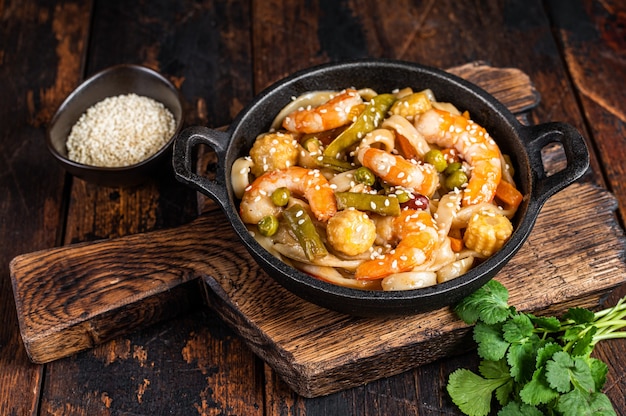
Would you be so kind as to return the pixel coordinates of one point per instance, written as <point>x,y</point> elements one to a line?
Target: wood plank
<point>32,36</point>
<point>304,343</point>
<point>596,65</point>
<point>203,48</point>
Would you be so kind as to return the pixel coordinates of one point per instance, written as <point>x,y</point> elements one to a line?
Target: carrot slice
<point>508,194</point>
<point>456,244</point>
<point>404,146</point>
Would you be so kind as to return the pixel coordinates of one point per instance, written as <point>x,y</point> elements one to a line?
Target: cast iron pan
<point>522,143</point>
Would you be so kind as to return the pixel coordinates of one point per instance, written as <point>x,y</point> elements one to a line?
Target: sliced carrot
<point>456,244</point>
<point>405,147</point>
<point>508,194</point>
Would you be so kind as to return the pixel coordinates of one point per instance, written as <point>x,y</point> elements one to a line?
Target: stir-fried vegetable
<point>302,226</point>
<point>369,119</point>
<point>380,204</point>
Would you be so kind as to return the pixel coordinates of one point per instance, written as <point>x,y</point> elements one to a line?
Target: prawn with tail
<point>473,143</point>
<point>336,112</point>
<point>396,170</point>
<point>418,239</point>
<point>256,202</point>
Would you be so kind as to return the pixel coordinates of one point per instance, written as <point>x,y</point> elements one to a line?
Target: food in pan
<point>389,191</point>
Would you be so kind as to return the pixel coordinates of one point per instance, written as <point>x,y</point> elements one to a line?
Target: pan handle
<point>183,161</point>
<point>575,150</point>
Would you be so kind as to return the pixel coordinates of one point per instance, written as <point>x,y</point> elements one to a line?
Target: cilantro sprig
<point>534,365</point>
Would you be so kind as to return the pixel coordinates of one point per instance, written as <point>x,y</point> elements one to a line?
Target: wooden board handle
<point>74,297</point>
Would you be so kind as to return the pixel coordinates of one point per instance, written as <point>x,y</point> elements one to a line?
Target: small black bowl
<point>522,143</point>
<point>110,82</point>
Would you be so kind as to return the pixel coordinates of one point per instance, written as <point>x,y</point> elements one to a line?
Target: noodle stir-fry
<point>391,191</point>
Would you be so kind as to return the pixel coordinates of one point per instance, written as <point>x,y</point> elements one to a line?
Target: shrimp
<point>257,203</point>
<point>396,170</point>
<point>473,144</point>
<point>418,240</point>
<point>334,113</point>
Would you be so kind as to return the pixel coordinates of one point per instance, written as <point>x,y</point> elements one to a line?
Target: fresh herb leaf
<point>534,365</point>
<point>537,391</point>
<point>579,315</point>
<point>498,370</point>
<point>518,329</point>
<point>599,370</point>
<point>565,372</point>
<point>580,403</point>
<point>521,359</point>
<point>519,409</point>
<point>494,369</point>
<point>550,323</point>
<point>489,304</point>
<point>546,352</point>
<point>584,344</point>
<point>491,345</point>
<point>477,400</point>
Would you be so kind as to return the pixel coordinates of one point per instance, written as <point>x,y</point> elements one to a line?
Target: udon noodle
<point>390,191</point>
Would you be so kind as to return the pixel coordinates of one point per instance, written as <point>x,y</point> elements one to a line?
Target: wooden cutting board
<point>72,298</point>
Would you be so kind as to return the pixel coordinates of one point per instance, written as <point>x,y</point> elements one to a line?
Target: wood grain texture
<point>194,365</point>
<point>219,53</point>
<point>316,351</point>
<point>33,35</point>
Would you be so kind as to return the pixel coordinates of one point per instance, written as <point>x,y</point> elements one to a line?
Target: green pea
<point>452,167</point>
<point>436,158</point>
<point>280,197</point>
<point>456,179</point>
<point>268,225</point>
<point>365,176</point>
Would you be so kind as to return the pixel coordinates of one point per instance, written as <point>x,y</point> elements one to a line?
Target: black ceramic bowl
<point>522,143</point>
<point>110,82</point>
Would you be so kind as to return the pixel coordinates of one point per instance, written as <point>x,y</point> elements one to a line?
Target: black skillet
<point>522,143</point>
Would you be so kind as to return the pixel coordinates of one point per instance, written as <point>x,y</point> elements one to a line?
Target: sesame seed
<point>120,131</point>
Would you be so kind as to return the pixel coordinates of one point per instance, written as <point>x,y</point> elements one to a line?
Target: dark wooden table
<point>219,54</point>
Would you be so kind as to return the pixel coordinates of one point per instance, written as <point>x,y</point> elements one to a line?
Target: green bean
<point>280,196</point>
<point>268,225</point>
<point>302,226</point>
<point>365,176</point>
<point>367,121</point>
<point>310,143</point>
<point>335,164</point>
<point>380,204</point>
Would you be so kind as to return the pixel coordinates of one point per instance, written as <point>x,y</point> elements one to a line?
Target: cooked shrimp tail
<point>309,183</point>
<point>473,143</point>
<point>418,240</point>
<point>396,170</point>
<point>336,112</point>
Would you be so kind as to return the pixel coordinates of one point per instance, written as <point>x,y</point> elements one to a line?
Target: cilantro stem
<point>610,335</point>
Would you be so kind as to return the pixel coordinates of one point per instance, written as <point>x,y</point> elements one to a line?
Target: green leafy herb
<point>534,365</point>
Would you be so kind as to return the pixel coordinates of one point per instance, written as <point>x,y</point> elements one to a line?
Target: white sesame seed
<point>120,131</point>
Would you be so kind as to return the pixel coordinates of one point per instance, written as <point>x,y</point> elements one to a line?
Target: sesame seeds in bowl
<point>116,127</point>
